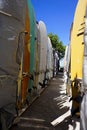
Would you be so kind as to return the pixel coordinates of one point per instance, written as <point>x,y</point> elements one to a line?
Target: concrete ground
<point>51,111</point>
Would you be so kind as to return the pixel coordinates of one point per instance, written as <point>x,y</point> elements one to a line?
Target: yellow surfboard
<point>77,48</point>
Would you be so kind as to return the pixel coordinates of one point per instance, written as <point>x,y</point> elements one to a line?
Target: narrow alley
<point>50,111</point>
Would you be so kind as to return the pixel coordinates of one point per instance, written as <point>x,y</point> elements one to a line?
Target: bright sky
<point>58,16</point>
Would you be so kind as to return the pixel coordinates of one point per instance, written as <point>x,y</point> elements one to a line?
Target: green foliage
<point>57,44</point>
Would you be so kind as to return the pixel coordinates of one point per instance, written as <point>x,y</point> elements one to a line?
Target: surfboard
<point>67,70</point>
<point>83,112</point>
<point>55,62</point>
<point>77,47</point>
<point>36,72</point>
<point>12,17</point>
<point>26,60</point>
<point>49,59</point>
<point>43,52</point>
<point>32,46</point>
<point>51,51</point>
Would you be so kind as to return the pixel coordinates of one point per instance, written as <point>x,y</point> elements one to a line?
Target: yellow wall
<point>76,41</point>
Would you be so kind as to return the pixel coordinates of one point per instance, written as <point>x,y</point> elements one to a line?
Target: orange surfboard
<point>26,59</point>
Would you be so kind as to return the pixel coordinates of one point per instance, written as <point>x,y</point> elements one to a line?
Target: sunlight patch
<point>61,118</point>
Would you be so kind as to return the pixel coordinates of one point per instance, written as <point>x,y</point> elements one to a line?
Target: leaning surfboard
<point>43,52</point>
<point>77,45</point>
<point>32,46</point>
<point>49,59</point>
<point>36,71</point>
<point>12,33</point>
<point>26,60</point>
<point>83,112</point>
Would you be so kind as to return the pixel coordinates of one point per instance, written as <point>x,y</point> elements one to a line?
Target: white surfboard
<point>49,59</point>
<point>42,51</point>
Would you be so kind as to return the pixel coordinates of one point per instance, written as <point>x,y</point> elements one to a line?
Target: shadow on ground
<point>51,104</point>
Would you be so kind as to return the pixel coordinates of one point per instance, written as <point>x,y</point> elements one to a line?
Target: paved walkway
<point>51,111</point>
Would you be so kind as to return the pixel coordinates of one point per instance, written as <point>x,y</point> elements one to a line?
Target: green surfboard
<point>32,44</point>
